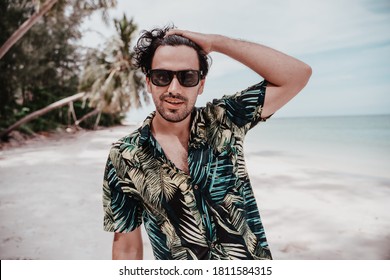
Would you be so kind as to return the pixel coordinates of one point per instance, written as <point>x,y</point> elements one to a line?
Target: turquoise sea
<point>355,143</point>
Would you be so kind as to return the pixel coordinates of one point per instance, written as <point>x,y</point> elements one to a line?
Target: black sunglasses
<point>162,78</point>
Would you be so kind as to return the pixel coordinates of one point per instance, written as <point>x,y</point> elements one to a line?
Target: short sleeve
<point>121,201</point>
<point>244,108</point>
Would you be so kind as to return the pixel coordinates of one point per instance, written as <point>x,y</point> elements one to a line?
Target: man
<point>182,172</point>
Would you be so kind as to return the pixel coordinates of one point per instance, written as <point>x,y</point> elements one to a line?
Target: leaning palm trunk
<point>42,111</point>
<point>25,27</point>
<point>93,5</point>
<point>86,116</point>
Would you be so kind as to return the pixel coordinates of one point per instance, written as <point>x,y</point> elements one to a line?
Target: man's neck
<point>173,138</point>
<point>160,126</point>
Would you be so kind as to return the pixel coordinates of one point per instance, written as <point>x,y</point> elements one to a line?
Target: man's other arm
<point>128,246</point>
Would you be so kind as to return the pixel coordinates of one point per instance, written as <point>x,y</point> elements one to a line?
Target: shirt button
<point>196,187</point>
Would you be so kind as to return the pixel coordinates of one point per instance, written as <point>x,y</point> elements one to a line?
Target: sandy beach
<point>51,203</point>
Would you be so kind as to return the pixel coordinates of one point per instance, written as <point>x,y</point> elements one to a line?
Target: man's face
<point>175,102</point>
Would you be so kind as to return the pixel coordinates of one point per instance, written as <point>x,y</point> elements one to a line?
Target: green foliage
<point>41,67</point>
<point>44,65</point>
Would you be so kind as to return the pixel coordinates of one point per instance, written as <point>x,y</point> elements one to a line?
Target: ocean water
<point>361,143</point>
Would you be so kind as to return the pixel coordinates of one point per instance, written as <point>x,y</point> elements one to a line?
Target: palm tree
<point>111,82</point>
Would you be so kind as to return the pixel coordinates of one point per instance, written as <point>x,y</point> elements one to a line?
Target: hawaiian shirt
<point>210,213</point>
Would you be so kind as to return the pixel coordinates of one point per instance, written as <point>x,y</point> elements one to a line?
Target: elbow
<point>302,77</point>
<point>306,73</point>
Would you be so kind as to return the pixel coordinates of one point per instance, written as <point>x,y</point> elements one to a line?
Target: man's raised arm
<point>286,75</point>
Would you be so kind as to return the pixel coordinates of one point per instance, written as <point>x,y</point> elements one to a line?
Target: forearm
<point>120,254</point>
<point>276,67</point>
<point>128,246</point>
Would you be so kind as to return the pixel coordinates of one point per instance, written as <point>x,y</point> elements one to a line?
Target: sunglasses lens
<point>162,78</point>
<point>188,78</point>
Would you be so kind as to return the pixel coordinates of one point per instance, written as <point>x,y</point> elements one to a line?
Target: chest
<point>176,150</point>
<point>211,177</point>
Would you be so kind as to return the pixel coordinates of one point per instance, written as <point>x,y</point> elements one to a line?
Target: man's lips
<point>173,100</point>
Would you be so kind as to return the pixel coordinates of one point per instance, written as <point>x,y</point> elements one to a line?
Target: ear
<point>201,86</point>
<point>148,85</point>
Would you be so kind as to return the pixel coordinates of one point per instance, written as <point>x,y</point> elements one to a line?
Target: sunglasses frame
<point>172,74</point>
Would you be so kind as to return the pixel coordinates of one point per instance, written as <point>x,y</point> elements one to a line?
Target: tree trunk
<point>25,27</point>
<point>97,120</point>
<point>41,112</point>
<point>90,114</point>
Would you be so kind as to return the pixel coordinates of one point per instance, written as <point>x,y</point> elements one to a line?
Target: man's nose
<point>174,86</point>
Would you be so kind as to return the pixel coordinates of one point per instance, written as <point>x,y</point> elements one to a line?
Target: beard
<point>174,115</point>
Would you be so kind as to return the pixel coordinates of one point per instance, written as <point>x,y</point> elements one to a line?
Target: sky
<point>346,42</point>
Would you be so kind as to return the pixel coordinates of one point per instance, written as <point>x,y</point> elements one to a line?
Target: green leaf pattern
<point>210,213</point>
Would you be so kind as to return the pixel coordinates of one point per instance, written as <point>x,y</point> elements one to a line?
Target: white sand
<point>51,203</point>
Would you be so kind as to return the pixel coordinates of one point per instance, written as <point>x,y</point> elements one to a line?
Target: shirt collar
<point>144,130</point>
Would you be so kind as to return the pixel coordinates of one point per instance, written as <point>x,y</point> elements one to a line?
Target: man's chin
<point>174,116</point>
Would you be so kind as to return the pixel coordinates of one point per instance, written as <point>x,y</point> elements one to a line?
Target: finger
<point>175,32</point>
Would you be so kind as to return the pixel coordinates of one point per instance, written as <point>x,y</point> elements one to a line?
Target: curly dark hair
<point>150,40</point>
